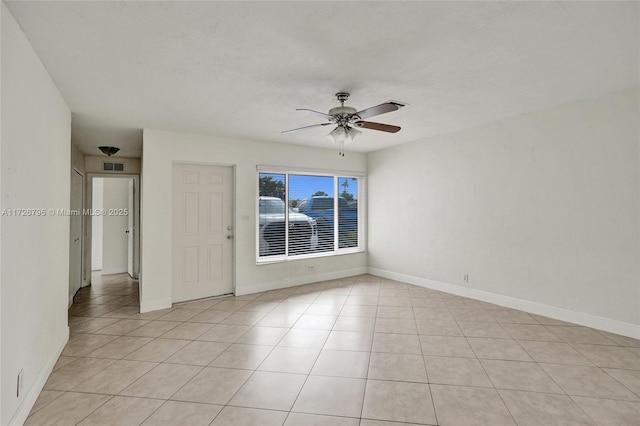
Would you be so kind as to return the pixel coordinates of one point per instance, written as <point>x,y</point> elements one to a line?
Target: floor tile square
<point>610,412</point>
<point>535,409</point>
<point>210,317</point>
<point>396,343</point>
<point>75,373</point>
<point>315,322</point>
<point>516,375</point>
<point>198,353</point>
<point>398,401</point>
<point>483,329</point>
<point>349,341</point>
<point>440,313</point>
<point>179,315</point>
<point>458,405</point>
<point>82,344</point>
<point>553,353</point>
<point>157,350</point>
<point>122,327</point>
<point>275,319</point>
<point>234,416</point>
<point>400,367</point>
<point>609,356</point>
<point>174,413</point>
<point>161,382</point>
<point>299,419</point>
<point>154,329</point>
<point>579,334</point>
<point>45,398</point>
<point>342,364</point>
<point>530,332</point>
<point>587,381</point>
<point>334,396</point>
<point>212,386</point>
<point>290,360</point>
<point>120,347</point>
<point>438,328</point>
<point>122,411</point>
<point>629,379</point>
<point>244,318</point>
<point>446,346</point>
<point>69,409</point>
<point>471,315</point>
<point>273,391</point>
<point>247,357</point>
<point>456,371</point>
<point>396,325</point>
<point>187,331</point>
<point>359,311</point>
<point>310,339</point>
<point>504,349</point>
<point>224,333</point>
<point>256,335</point>
<point>511,316</point>
<point>115,377</point>
<point>395,312</point>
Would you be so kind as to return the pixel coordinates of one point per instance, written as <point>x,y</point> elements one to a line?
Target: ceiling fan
<point>348,119</point>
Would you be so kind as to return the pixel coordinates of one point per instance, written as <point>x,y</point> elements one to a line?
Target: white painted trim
<point>294,281</point>
<point>581,318</point>
<point>155,305</point>
<point>96,265</point>
<point>30,399</point>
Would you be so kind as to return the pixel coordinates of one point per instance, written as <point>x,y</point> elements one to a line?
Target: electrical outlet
<point>465,278</point>
<point>19,384</point>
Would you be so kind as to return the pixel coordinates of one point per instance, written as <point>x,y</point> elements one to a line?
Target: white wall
<point>36,135</point>
<point>97,225</point>
<point>161,149</point>
<point>114,239</point>
<point>541,210</point>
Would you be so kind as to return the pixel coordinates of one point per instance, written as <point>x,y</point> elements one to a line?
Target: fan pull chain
<point>341,153</point>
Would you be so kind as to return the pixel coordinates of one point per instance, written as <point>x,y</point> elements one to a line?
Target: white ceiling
<point>241,69</point>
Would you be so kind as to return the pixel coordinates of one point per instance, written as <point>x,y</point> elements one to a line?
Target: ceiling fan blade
<point>380,109</point>
<point>318,113</point>
<point>377,126</point>
<point>305,127</point>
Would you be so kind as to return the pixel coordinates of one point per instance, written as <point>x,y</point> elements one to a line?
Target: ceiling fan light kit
<point>348,118</point>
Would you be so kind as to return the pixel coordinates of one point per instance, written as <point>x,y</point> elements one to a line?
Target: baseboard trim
<point>154,305</point>
<point>581,318</point>
<point>295,281</point>
<point>30,399</point>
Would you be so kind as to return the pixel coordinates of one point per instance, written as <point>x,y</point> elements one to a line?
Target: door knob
<point>126,232</point>
<point>229,237</point>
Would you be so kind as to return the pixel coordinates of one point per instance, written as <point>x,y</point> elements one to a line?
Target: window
<point>298,214</point>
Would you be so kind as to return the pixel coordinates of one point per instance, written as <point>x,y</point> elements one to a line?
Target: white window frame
<point>335,174</point>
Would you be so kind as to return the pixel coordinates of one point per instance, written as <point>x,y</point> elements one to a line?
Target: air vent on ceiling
<point>113,167</point>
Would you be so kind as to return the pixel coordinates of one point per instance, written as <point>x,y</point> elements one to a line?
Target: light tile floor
<point>358,351</point>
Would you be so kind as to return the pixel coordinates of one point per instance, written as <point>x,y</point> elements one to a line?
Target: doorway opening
<point>114,226</point>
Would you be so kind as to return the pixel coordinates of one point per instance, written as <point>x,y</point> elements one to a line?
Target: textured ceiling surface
<point>240,69</point>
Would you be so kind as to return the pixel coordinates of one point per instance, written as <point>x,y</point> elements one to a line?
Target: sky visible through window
<point>304,186</point>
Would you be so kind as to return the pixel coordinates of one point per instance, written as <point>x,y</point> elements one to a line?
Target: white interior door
<point>75,236</point>
<point>202,231</point>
